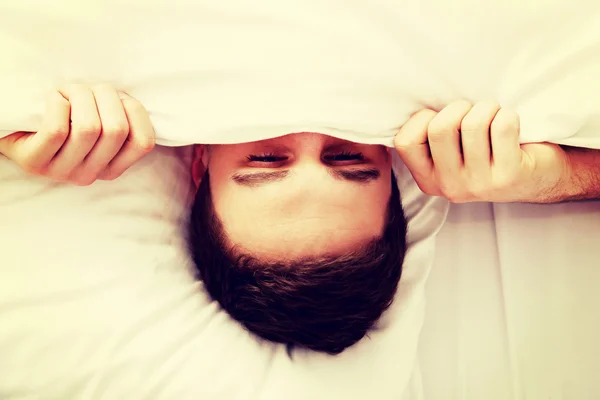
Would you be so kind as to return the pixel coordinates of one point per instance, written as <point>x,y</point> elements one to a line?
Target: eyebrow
<point>254,179</point>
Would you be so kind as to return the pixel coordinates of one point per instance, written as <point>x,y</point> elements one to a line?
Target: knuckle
<point>143,145</point>
<point>58,97</point>
<point>436,127</point>
<point>132,105</point>
<point>471,124</point>
<point>437,132</point>
<point>88,132</point>
<point>117,132</point>
<point>58,135</point>
<point>448,121</point>
<point>401,145</point>
<point>505,123</point>
<point>480,117</point>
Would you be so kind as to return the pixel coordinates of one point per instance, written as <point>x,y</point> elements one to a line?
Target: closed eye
<point>265,158</point>
<point>343,157</point>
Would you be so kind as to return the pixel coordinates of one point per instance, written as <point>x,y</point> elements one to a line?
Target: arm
<point>472,153</point>
<point>582,181</point>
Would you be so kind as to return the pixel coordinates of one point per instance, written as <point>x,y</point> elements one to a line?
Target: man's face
<point>300,195</point>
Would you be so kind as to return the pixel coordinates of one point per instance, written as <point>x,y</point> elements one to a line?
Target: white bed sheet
<point>513,304</point>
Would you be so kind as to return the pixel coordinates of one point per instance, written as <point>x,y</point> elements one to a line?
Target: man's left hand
<point>471,153</point>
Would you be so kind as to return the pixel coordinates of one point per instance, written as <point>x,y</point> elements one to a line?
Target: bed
<point>97,297</point>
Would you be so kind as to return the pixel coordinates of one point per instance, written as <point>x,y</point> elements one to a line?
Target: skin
<point>299,195</point>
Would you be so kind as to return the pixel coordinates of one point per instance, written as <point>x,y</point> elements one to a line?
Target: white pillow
<point>98,300</point>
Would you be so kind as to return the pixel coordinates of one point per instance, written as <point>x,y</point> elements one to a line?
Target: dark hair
<point>324,304</point>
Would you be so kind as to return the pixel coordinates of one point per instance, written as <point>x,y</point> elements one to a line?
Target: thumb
<point>412,145</point>
<point>548,166</point>
<point>545,158</point>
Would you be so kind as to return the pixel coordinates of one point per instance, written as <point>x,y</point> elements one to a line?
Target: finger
<point>506,151</point>
<point>34,151</point>
<point>141,139</point>
<point>115,129</point>
<point>475,136</point>
<point>7,143</point>
<point>85,130</point>
<point>444,140</point>
<point>412,147</point>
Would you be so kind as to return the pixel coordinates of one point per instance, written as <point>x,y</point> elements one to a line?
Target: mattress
<point>512,304</point>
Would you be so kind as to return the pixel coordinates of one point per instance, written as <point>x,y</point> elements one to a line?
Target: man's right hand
<point>87,134</point>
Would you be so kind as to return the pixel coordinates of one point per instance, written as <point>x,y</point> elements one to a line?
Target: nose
<point>309,143</point>
<point>309,169</point>
<point>312,182</point>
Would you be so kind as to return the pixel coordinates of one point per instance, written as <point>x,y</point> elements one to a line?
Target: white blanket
<point>212,71</point>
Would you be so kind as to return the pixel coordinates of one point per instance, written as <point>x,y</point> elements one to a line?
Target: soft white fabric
<point>98,301</point>
<point>512,304</point>
<point>242,70</point>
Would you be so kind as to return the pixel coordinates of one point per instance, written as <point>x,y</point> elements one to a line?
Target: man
<point>301,238</point>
